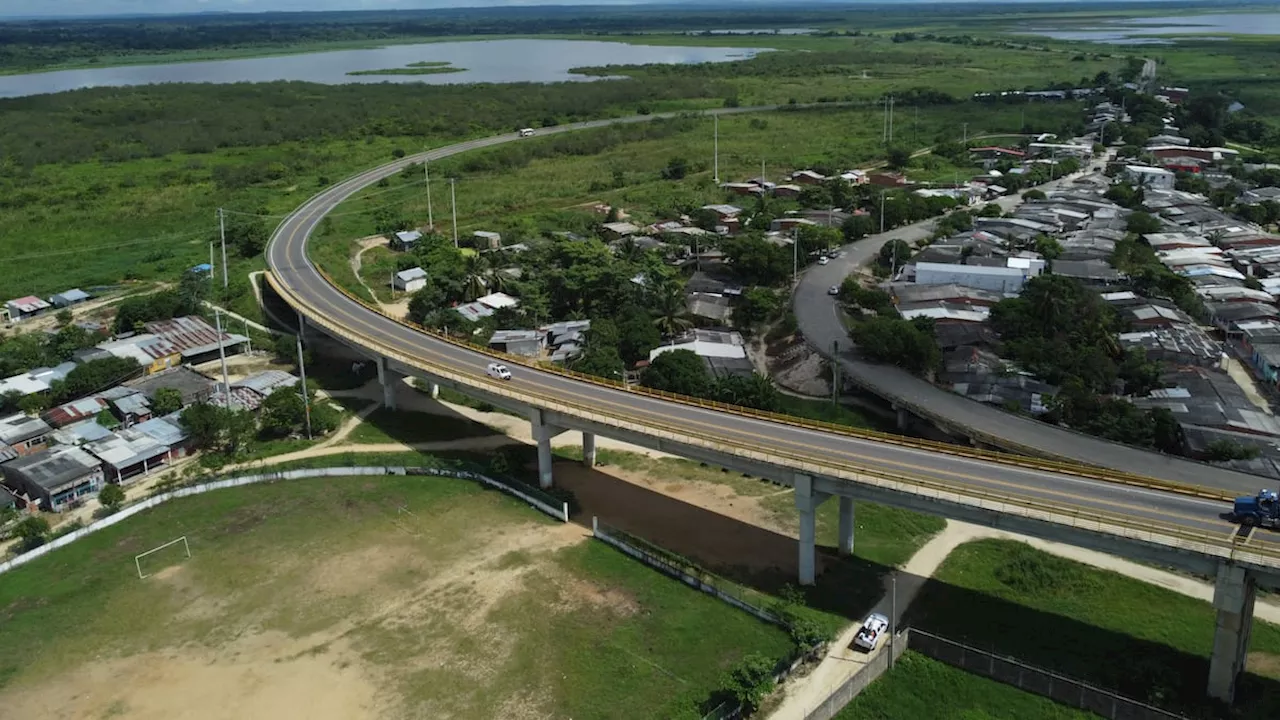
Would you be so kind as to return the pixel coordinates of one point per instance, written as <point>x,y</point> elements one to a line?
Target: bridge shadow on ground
<point>762,559</point>
<point>1153,672</point>
<point>747,554</point>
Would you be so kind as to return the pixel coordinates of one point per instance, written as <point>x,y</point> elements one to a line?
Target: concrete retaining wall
<point>561,513</point>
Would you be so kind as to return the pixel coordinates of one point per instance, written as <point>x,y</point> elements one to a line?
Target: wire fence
<point>687,571</point>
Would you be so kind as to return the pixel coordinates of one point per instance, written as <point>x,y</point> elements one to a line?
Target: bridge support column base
<point>388,379</point>
<point>846,525</point>
<point>542,433</point>
<point>807,502</point>
<point>435,391</point>
<point>589,449</point>
<point>1233,598</point>
<point>904,418</point>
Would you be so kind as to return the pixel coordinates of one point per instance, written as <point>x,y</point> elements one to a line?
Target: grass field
<point>349,598</point>
<point>921,687</point>
<point>1141,640</point>
<point>554,190</point>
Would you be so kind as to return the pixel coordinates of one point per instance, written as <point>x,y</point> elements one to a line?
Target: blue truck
<point>1262,510</point>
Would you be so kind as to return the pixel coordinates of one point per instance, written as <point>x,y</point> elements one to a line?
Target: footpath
<point>804,694</point>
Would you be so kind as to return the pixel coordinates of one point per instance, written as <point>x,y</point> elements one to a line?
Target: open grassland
<point>361,597</point>
<point>116,183</point>
<point>551,183</point>
<point>1141,640</point>
<point>921,687</point>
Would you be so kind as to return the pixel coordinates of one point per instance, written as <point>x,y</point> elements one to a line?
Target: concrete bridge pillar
<point>807,502</point>
<point>1233,598</point>
<point>542,434</point>
<point>435,391</point>
<point>589,449</point>
<point>904,417</point>
<point>846,525</point>
<point>389,379</point>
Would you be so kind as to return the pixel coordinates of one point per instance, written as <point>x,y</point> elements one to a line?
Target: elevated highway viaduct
<point>1171,522</point>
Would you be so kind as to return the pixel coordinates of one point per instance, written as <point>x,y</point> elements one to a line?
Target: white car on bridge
<point>498,370</point>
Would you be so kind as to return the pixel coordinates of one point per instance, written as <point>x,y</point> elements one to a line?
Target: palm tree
<point>629,251</point>
<point>475,283</point>
<point>672,314</point>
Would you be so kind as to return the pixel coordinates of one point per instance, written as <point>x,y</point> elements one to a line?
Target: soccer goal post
<point>137,559</point>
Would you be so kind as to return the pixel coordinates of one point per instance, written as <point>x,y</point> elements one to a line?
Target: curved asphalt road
<point>287,257</point>
<point>820,323</point>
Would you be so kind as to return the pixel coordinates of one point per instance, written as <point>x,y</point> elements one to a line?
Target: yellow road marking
<point>534,384</point>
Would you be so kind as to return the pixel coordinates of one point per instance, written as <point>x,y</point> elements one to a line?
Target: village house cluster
<point>66,454</point>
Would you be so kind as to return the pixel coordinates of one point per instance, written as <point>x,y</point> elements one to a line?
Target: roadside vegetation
<point>1138,639</point>
<point>952,694</point>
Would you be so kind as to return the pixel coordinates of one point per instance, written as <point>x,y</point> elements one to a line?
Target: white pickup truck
<point>869,634</point>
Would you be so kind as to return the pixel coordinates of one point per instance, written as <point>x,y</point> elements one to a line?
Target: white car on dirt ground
<point>871,631</point>
<point>498,370</point>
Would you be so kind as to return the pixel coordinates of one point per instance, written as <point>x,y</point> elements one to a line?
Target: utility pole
<point>795,255</point>
<point>210,263</point>
<point>716,151</point>
<point>306,399</point>
<point>222,356</point>
<point>222,230</point>
<point>426,171</point>
<point>762,180</point>
<point>890,119</point>
<point>884,122</point>
<point>835,372</point>
<point>893,617</point>
<point>882,192</point>
<point>966,135</point>
<point>248,337</point>
<point>453,204</point>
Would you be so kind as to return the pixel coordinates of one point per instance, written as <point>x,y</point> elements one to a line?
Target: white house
<point>1149,177</point>
<point>411,280</point>
<point>995,279</point>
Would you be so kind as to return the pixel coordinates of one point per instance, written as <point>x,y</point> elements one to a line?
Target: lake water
<point>1137,31</point>
<point>485,61</point>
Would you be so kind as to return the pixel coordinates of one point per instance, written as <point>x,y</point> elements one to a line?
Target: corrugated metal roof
<point>54,469</point>
<point>126,449</point>
<point>167,431</point>
<point>191,335</point>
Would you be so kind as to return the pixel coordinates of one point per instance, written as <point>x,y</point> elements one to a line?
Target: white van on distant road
<point>526,132</point>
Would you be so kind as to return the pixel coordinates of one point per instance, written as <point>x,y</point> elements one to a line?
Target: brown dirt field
<point>417,613</point>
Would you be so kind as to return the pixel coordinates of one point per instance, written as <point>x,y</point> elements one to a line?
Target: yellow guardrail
<point>1074,469</point>
<point>1208,543</point>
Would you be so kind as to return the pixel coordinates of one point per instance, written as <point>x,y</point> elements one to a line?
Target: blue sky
<point>45,8</point>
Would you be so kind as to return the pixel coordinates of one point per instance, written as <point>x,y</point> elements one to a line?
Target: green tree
<point>750,681</point>
<point>1225,450</point>
<point>678,371</point>
<point>283,411</point>
<point>757,306</point>
<point>671,314</point>
<point>898,157</point>
<point>758,262</point>
<point>909,344</point>
<point>111,497</point>
<point>676,169</point>
<point>324,417</point>
<point>204,424</point>
<point>64,317</point>
<point>894,253</point>
<point>32,532</point>
<point>1141,223</point>
<point>166,400</point>
<point>754,391</point>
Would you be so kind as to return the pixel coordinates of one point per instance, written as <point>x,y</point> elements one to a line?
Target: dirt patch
<point>1264,664</point>
<point>580,593</point>
<point>795,366</point>
<point>265,675</point>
